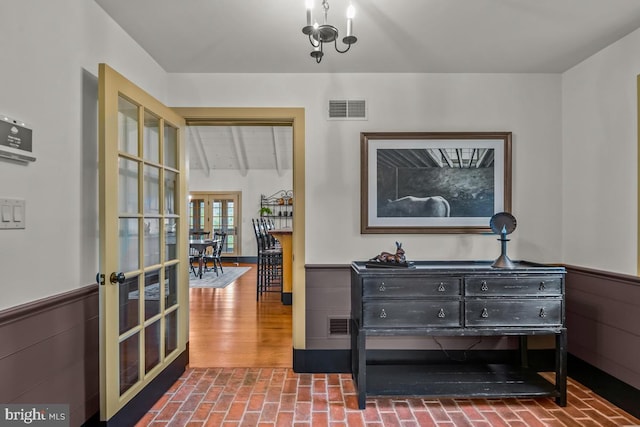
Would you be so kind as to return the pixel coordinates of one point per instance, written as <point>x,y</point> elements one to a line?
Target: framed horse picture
<point>433,182</point>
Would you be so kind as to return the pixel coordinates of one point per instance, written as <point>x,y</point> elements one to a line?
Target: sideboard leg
<point>561,367</point>
<point>362,369</point>
<point>524,351</point>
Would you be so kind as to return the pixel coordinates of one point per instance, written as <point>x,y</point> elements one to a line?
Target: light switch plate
<point>13,213</point>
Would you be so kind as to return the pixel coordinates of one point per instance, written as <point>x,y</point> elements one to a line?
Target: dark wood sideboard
<point>457,298</point>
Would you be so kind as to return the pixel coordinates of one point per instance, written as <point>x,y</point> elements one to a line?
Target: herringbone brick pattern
<point>231,397</point>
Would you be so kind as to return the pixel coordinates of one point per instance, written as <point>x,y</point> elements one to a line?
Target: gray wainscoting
<point>49,353</point>
<point>328,296</point>
<point>603,321</point>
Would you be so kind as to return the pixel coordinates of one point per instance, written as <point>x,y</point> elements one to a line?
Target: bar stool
<point>269,261</point>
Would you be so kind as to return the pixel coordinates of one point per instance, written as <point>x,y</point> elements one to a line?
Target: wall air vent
<point>343,109</point>
<point>339,326</point>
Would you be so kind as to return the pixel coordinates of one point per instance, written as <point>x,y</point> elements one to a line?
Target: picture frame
<point>433,182</point>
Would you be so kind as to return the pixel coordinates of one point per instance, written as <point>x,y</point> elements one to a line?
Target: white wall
<point>600,119</point>
<point>527,105</point>
<point>49,73</point>
<point>48,69</point>
<point>252,186</point>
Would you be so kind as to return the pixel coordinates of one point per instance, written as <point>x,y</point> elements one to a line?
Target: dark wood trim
<point>55,301</point>
<point>321,361</point>
<point>618,277</point>
<point>287,298</point>
<point>143,401</point>
<point>612,389</point>
<point>326,266</point>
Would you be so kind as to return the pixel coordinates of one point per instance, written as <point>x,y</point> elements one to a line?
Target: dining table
<point>201,246</point>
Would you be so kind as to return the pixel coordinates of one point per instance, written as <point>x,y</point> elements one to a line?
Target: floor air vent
<point>348,109</point>
<point>339,326</point>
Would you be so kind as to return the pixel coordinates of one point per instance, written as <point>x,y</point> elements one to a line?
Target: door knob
<point>117,278</point>
<point>100,279</point>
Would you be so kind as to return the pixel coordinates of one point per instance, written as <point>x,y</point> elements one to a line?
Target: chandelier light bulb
<point>309,4</point>
<point>351,12</point>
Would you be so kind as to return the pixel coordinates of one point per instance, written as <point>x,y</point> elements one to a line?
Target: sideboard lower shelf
<point>457,381</point>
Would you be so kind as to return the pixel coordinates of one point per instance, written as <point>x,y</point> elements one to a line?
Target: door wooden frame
<point>293,117</point>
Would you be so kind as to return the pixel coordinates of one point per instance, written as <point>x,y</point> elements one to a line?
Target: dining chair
<point>194,256</point>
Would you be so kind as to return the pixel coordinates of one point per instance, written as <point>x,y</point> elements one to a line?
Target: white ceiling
<point>443,36</point>
<point>435,36</point>
<point>241,148</point>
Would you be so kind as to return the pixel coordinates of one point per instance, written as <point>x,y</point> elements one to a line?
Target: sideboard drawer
<point>411,314</point>
<point>411,287</point>
<point>513,312</point>
<point>514,285</point>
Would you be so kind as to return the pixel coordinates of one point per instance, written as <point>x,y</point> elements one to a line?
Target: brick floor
<point>239,397</point>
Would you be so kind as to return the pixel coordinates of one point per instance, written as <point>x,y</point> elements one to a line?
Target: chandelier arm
<point>311,39</point>
<point>341,51</point>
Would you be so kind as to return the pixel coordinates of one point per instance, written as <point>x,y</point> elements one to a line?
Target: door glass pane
<point>170,146</point>
<point>151,150</point>
<point>170,286</point>
<point>127,126</point>
<point>128,186</point>
<point>222,217</point>
<point>216,218</point>
<point>151,189</point>
<point>170,239</point>
<point>151,346</point>
<point>129,362</point>
<point>229,226</point>
<point>151,294</point>
<point>171,332</point>
<point>196,215</point>
<point>170,185</point>
<point>229,244</point>
<point>129,245</point>
<point>128,304</point>
<point>151,241</point>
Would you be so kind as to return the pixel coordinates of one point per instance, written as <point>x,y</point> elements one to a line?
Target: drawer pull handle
<point>541,286</point>
<point>484,313</point>
<point>383,314</point>
<point>543,313</point>
<point>441,313</point>
<point>483,286</point>
<point>441,287</point>
<point>382,287</point>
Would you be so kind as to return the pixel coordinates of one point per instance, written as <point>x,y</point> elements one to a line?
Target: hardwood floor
<point>230,329</point>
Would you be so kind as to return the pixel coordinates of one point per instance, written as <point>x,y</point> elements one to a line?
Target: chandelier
<point>325,33</point>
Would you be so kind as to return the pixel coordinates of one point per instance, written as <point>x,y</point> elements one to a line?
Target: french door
<point>217,211</point>
<point>143,240</point>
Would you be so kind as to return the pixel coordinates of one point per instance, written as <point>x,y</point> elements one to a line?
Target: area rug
<point>210,280</point>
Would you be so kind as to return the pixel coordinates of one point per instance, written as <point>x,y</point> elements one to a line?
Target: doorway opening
<point>240,325</point>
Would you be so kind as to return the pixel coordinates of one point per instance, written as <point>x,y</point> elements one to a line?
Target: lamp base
<point>503,261</point>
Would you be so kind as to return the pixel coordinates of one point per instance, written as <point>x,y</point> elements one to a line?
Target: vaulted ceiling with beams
<point>241,148</point>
